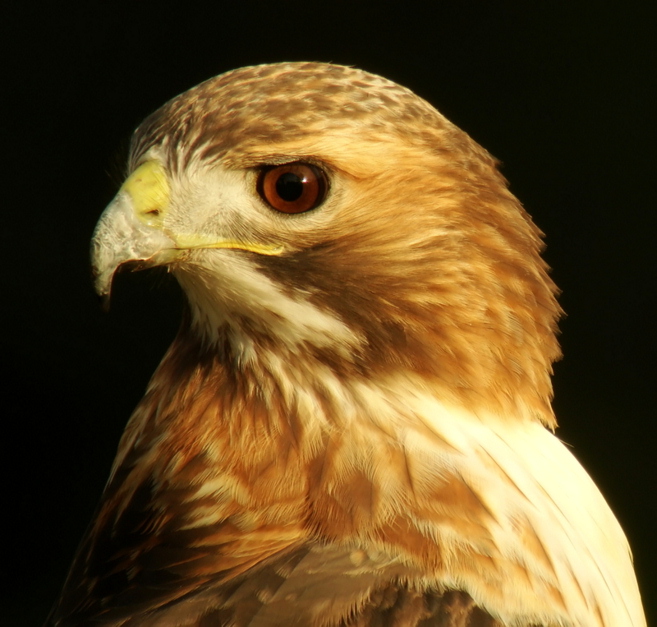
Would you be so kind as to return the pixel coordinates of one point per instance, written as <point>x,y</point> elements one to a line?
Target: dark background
<point>563,93</point>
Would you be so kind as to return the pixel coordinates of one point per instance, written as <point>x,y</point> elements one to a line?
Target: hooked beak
<point>130,228</point>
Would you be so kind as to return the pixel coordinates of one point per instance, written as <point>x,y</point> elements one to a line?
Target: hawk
<point>353,426</point>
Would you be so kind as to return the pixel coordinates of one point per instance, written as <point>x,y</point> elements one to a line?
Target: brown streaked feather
<point>259,555</point>
<point>318,587</point>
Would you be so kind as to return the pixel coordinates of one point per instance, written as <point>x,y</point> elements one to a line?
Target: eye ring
<point>292,188</point>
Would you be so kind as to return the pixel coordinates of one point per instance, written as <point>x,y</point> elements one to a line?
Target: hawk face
<point>331,216</point>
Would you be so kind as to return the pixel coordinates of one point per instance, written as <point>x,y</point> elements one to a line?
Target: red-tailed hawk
<point>353,426</point>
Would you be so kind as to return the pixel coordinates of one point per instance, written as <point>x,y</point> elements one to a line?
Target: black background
<point>564,93</point>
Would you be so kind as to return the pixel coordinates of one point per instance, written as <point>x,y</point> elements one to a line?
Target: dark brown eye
<point>293,187</point>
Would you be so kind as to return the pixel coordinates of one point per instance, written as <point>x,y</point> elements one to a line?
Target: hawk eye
<point>292,187</point>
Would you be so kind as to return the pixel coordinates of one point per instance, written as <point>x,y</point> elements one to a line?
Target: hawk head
<point>323,217</point>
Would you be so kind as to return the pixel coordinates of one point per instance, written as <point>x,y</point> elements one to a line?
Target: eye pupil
<point>289,186</point>
<point>292,187</point>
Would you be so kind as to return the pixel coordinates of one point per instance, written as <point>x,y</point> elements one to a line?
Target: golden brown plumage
<point>350,426</point>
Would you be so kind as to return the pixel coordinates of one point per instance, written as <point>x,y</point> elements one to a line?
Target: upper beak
<point>130,229</point>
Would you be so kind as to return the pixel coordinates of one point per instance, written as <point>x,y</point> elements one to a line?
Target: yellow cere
<point>148,188</point>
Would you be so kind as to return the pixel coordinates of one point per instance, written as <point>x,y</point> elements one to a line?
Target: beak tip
<point>103,287</point>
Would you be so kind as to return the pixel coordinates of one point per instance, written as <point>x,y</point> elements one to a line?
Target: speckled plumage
<point>350,427</point>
